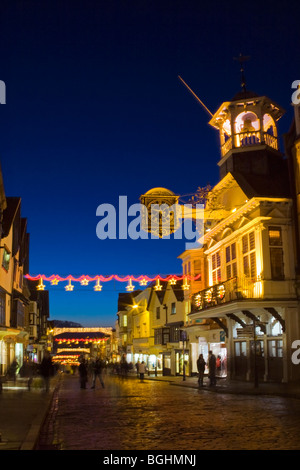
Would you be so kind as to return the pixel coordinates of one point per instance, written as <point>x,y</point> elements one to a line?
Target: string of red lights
<point>143,280</point>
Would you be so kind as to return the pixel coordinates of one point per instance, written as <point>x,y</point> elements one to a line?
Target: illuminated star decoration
<point>129,287</point>
<point>85,280</point>
<point>98,286</point>
<point>69,287</point>
<point>41,286</point>
<point>185,285</point>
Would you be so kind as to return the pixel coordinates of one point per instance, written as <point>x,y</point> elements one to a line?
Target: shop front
<point>182,363</point>
<point>262,359</point>
<point>209,340</point>
<point>167,363</point>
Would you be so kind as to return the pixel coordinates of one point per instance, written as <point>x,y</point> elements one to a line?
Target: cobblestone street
<point>154,415</point>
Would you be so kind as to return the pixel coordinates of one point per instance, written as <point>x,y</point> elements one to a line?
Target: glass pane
<point>228,271</point>
<point>253,265</point>
<point>275,236</point>
<point>251,241</point>
<point>213,261</point>
<point>277,267</point>
<point>234,270</point>
<point>245,243</point>
<point>227,254</point>
<point>246,265</point>
<point>272,348</point>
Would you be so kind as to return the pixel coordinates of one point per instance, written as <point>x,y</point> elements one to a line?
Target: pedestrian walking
<point>124,367</point>
<point>142,370</point>
<point>218,365</point>
<point>97,372</point>
<point>212,368</point>
<point>83,373</point>
<point>13,370</point>
<point>201,368</point>
<point>46,370</point>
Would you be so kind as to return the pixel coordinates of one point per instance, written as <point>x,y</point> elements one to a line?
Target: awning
<point>22,336</point>
<point>6,332</point>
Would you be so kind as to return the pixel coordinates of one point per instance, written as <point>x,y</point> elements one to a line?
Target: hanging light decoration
<point>54,281</point>
<point>143,282</point>
<point>70,286</point>
<point>130,287</point>
<point>158,286</point>
<point>40,285</point>
<point>98,286</point>
<point>84,282</point>
<point>185,285</point>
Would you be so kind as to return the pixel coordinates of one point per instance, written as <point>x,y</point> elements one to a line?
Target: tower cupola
<point>248,129</point>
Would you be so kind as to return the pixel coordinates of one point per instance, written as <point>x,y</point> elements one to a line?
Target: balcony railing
<point>227,291</point>
<point>246,139</point>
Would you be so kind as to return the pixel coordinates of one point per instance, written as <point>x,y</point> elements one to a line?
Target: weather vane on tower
<point>242,59</point>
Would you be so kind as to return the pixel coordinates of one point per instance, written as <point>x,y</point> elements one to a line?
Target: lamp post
<point>255,362</point>
<point>184,338</point>
<point>255,324</point>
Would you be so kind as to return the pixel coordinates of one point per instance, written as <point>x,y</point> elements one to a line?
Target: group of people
<point>95,369</point>
<point>212,366</point>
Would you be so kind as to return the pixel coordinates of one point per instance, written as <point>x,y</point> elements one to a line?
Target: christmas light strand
<point>84,280</point>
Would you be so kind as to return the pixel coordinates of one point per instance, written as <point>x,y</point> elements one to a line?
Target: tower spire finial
<point>241,59</point>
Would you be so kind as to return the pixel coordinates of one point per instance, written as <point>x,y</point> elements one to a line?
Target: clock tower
<point>248,134</point>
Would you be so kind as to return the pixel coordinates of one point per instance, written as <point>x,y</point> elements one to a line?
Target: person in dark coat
<point>212,368</point>
<point>83,373</point>
<point>46,369</point>
<point>97,372</point>
<point>201,368</point>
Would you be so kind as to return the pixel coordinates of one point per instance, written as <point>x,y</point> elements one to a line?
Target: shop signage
<point>247,331</point>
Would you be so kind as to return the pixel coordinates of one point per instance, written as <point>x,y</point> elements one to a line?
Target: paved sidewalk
<point>23,411</point>
<point>234,387</point>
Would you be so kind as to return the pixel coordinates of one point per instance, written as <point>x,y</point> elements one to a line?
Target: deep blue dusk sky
<point>95,110</point>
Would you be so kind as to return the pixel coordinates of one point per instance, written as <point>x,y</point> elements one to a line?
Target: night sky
<point>95,110</point>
